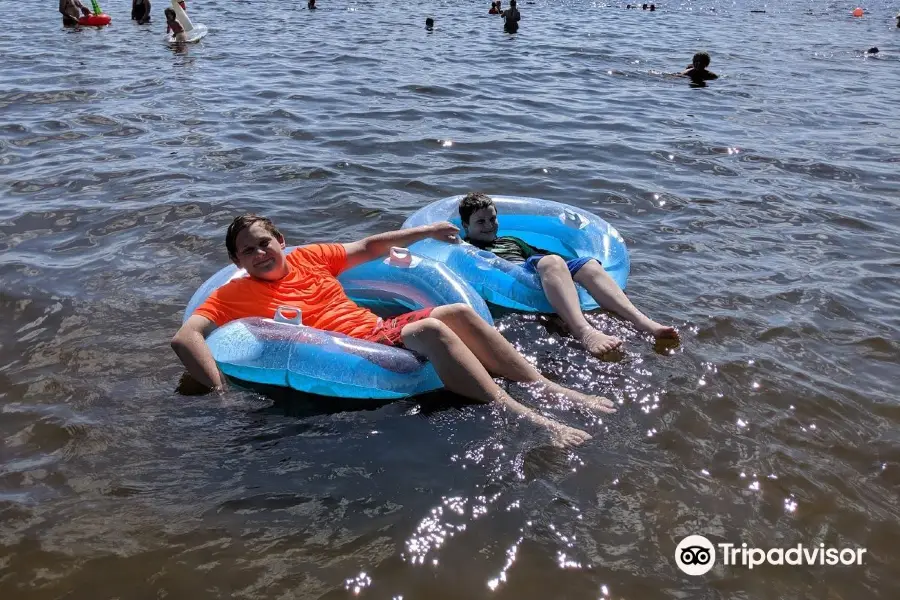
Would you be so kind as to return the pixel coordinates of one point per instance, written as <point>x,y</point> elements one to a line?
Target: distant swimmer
<point>652,7</point>
<point>494,10</point>
<point>697,70</point>
<point>311,5</point>
<point>511,18</point>
<point>69,10</point>
<point>898,20</point>
<point>140,11</point>
<point>429,24</point>
<point>644,7</point>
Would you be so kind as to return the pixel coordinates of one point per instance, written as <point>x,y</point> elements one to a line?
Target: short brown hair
<point>473,202</point>
<point>243,222</point>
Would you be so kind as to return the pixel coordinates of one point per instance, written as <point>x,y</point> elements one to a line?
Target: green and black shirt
<point>510,248</point>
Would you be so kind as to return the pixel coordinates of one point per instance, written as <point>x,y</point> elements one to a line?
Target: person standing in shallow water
<point>511,18</point>
<point>140,11</point>
<point>311,5</point>
<point>173,26</point>
<point>70,9</point>
<point>169,28</point>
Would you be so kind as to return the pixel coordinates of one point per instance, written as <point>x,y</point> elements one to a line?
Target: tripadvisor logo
<point>696,555</point>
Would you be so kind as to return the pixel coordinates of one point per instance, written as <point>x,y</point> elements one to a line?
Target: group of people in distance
<point>650,7</point>
<point>140,12</point>
<point>511,16</point>
<point>72,10</point>
<point>466,351</point>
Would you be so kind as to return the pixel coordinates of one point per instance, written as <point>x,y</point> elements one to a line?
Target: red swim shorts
<point>387,331</point>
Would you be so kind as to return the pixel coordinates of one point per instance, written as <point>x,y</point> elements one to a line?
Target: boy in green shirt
<point>558,277</point>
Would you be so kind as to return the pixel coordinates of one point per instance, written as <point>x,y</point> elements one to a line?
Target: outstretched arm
<point>376,246</point>
<point>190,346</point>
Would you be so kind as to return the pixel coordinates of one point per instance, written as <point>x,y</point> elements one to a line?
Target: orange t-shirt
<point>310,285</point>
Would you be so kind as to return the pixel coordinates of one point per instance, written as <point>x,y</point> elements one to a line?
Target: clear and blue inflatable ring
<point>282,352</point>
<point>560,228</point>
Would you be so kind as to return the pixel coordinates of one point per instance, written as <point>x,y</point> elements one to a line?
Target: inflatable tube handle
<point>400,257</point>
<point>573,219</point>
<point>281,318</point>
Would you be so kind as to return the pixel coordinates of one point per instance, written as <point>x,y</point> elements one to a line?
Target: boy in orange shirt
<point>466,352</point>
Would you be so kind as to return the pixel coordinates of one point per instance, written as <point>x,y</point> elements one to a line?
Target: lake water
<point>762,217</point>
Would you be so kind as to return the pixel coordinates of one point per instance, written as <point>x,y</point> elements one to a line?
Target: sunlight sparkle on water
<point>358,583</point>
<point>494,583</point>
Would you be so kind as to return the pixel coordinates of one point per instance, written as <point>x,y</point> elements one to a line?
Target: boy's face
<point>260,253</point>
<point>483,225</point>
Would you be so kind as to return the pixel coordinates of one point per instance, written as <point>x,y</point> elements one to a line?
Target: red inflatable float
<point>95,20</point>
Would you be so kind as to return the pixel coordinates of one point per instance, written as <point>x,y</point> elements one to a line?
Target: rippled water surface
<point>762,217</point>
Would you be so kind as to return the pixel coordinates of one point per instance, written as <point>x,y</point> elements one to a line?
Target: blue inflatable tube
<point>283,352</point>
<point>563,229</point>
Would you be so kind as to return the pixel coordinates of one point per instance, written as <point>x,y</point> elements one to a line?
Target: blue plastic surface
<point>331,364</point>
<point>560,228</point>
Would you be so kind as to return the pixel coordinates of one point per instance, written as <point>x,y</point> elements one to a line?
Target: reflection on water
<point>761,216</point>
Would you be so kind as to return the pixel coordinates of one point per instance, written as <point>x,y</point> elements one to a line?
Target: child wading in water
<point>558,277</point>
<point>169,20</point>
<point>173,26</point>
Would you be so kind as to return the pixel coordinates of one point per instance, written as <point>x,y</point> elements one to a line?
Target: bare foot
<point>562,436</point>
<point>595,403</point>
<point>598,343</point>
<point>660,332</point>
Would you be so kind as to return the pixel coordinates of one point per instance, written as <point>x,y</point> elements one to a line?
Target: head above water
<point>479,217</point>
<point>429,23</point>
<point>170,14</point>
<point>701,60</point>
<point>256,245</point>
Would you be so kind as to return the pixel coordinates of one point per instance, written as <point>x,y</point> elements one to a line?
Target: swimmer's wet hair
<point>703,57</point>
<point>473,202</point>
<point>243,222</point>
